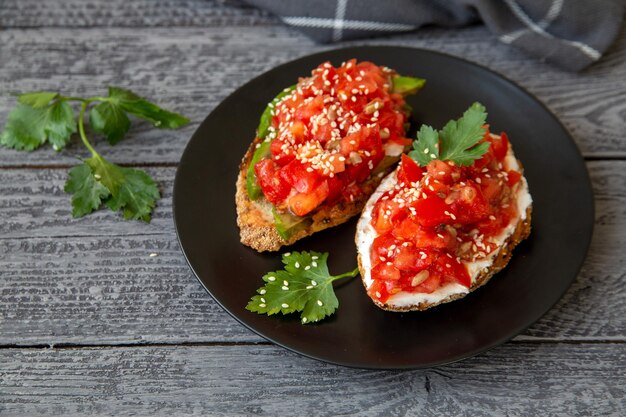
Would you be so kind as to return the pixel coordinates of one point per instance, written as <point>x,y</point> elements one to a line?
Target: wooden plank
<point>136,13</point>
<point>191,69</point>
<point>33,204</point>
<point>544,379</point>
<point>91,280</point>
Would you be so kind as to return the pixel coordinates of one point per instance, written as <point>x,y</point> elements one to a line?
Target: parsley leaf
<point>304,286</point>
<point>110,120</point>
<point>426,147</point>
<point>131,190</point>
<point>458,136</point>
<point>110,116</point>
<point>60,124</point>
<point>28,127</point>
<point>37,99</point>
<point>456,142</point>
<point>87,192</point>
<point>98,181</point>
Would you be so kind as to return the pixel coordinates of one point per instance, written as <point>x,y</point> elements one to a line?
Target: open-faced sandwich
<point>446,220</point>
<point>321,149</point>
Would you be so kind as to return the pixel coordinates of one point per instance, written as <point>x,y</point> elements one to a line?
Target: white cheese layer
<point>365,235</point>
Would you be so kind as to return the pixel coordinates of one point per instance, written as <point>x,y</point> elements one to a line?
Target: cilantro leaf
<point>98,181</point>
<point>87,192</point>
<point>24,128</point>
<point>426,147</point>
<point>60,124</point>
<point>37,99</point>
<point>110,117</point>
<point>304,286</point>
<point>456,142</point>
<point>136,196</point>
<point>133,191</point>
<point>27,127</point>
<point>146,110</point>
<point>111,120</point>
<point>47,116</point>
<point>458,136</point>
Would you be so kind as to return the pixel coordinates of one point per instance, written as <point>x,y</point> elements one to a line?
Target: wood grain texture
<point>136,13</point>
<point>91,280</point>
<point>191,70</point>
<point>514,379</point>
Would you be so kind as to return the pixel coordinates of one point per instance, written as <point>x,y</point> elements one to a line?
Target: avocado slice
<point>287,224</point>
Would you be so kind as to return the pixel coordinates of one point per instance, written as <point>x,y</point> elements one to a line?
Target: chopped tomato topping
<point>273,186</point>
<point>302,204</point>
<point>331,129</point>
<point>438,218</point>
<point>409,171</point>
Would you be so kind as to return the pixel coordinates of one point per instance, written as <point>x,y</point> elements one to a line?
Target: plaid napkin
<point>569,33</point>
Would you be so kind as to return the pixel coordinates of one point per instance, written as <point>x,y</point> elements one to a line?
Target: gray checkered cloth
<point>569,33</point>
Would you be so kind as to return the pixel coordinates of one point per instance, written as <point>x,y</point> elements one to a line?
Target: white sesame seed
<point>304,319</point>
<point>306,268</point>
<point>378,295</point>
<point>262,305</point>
<point>284,305</point>
<point>297,265</point>
<point>285,288</point>
<point>286,283</point>
<point>313,283</point>
<point>263,291</point>
<point>271,279</point>
<point>319,303</point>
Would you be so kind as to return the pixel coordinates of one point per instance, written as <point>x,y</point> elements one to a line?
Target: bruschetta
<point>321,149</point>
<point>446,220</point>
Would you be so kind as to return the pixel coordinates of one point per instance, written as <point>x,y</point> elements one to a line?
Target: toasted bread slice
<point>256,223</point>
<point>480,272</point>
<point>322,147</point>
<point>500,260</point>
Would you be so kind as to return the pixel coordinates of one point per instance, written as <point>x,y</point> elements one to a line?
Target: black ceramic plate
<point>360,334</point>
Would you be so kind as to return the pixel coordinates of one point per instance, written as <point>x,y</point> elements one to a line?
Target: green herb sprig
<point>47,116</point>
<point>456,142</point>
<point>304,286</point>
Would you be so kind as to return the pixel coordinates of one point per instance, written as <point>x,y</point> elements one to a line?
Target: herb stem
<point>81,127</point>
<point>350,274</point>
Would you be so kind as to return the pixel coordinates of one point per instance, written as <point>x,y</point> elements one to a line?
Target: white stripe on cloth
<point>523,17</point>
<point>319,22</point>
<point>340,14</point>
<point>553,13</point>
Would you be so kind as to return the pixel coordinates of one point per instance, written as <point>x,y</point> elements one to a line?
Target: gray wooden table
<point>90,324</point>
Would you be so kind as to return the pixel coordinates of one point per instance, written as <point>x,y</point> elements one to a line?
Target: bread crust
<point>501,259</point>
<point>254,218</point>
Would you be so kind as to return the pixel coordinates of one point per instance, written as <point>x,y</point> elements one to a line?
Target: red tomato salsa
<point>438,217</point>
<point>329,134</point>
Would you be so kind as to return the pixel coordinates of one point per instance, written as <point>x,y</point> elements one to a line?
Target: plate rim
<point>378,366</point>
